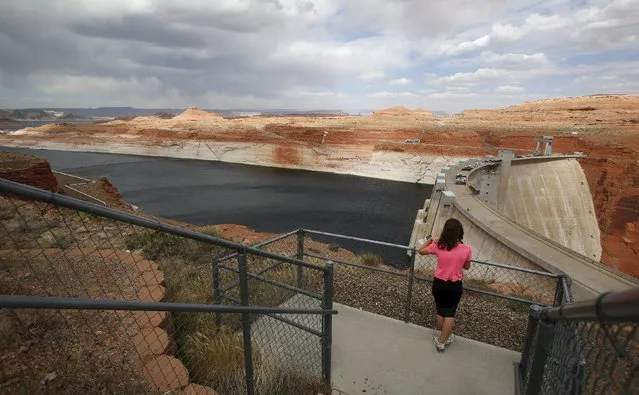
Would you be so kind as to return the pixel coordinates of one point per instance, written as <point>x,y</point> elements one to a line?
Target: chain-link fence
<point>587,347</point>
<point>394,281</point>
<point>53,246</point>
<point>299,345</point>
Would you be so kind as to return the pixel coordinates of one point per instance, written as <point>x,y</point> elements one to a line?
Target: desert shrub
<point>159,245</point>
<point>208,230</point>
<point>370,259</point>
<point>518,307</point>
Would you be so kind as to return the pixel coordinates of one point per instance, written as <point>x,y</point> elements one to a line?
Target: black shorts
<point>447,295</point>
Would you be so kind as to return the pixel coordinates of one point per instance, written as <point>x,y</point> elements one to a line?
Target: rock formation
<point>27,169</point>
<point>196,114</point>
<point>401,111</point>
<point>397,144</point>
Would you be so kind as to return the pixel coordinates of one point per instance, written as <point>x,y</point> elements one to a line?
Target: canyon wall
<point>398,144</point>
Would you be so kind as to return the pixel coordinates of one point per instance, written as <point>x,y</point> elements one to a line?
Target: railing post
<point>215,269</point>
<point>531,331</point>
<point>411,278</point>
<point>537,355</point>
<point>300,256</point>
<point>327,323</point>
<point>566,285</point>
<point>246,324</point>
<point>559,291</point>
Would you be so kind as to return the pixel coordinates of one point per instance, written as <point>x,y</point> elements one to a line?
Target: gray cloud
<point>143,28</point>
<point>293,52</point>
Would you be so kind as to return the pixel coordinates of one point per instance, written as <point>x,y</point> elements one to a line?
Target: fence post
<point>327,323</point>
<point>215,269</point>
<point>559,291</point>
<point>538,355</point>
<point>246,324</point>
<point>300,256</point>
<point>533,323</point>
<point>411,278</point>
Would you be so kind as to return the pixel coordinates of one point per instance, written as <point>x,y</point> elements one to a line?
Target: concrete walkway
<point>373,354</point>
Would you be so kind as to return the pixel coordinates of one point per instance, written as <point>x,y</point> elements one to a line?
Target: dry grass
<point>370,259</point>
<point>215,356</point>
<point>217,360</point>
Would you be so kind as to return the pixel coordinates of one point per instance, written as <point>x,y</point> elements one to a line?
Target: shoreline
<point>376,171</point>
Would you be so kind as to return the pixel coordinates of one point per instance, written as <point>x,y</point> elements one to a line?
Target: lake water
<point>262,198</point>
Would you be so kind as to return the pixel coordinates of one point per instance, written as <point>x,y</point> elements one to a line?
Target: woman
<point>452,257</point>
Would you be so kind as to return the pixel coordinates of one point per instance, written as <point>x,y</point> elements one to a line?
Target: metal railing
<point>393,280</point>
<point>589,347</point>
<point>84,292</point>
<point>70,189</point>
<point>56,246</point>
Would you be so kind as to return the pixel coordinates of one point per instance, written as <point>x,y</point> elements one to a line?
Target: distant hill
<point>122,112</point>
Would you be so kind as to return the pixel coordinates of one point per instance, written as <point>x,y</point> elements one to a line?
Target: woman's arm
<point>422,251</point>
<point>468,259</point>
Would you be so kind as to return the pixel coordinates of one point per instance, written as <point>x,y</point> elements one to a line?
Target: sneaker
<point>439,346</point>
<point>450,340</point>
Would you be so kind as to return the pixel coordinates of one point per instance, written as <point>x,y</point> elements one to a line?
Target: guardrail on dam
<point>532,212</point>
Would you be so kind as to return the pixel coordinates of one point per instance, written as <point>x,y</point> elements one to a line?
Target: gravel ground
<point>484,318</point>
<point>78,351</point>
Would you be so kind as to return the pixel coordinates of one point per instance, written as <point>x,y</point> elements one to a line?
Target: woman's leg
<point>440,321</point>
<point>452,299</point>
<point>447,329</point>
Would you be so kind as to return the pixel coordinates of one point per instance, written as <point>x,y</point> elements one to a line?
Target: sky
<point>439,55</point>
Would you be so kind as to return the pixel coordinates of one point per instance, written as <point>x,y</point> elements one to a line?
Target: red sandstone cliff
<point>27,169</point>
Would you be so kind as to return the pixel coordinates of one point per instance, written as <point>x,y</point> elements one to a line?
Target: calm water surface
<point>262,198</point>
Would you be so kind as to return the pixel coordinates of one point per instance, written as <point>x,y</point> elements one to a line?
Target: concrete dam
<point>533,212</point>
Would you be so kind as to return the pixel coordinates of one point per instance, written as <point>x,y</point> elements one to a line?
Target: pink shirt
<point>450,264</point>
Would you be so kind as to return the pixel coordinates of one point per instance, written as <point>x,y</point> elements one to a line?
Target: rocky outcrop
<point>197,114</point>
<point>27,169</point>
<point>401,111</point>
<point>577,112</point>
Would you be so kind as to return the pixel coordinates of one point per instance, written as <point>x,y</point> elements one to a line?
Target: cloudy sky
<point>445,55</point>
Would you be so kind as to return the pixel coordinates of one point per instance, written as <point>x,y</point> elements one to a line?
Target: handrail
<point>608,307</point>
<point>259,245</point>
<point>516,268</point>
<point>30,192</point>
<point>425,279</point>
<point>316,232</point>
<point>85,194</point>
<point>53,302</point>
<point>86,180</point>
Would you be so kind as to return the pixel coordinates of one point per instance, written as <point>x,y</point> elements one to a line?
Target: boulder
<point>164,373</point>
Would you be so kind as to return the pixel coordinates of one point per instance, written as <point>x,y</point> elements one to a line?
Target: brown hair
<point>452,235</point>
